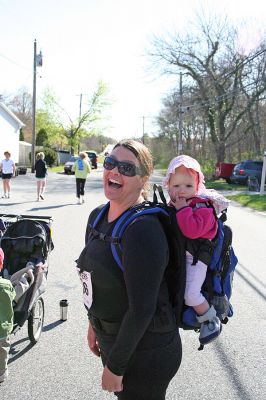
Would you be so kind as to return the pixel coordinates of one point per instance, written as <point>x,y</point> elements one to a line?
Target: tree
<point>217,71</point>
<point>21,105</point>
<point>41,137</point>
<point>49,118</point>
<point>88,121</point>
<point>21,135</point>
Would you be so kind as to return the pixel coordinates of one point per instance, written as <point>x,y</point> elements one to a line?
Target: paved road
<point>60,366</point>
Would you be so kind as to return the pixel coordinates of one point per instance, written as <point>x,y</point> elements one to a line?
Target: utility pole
<point>33,109</point>
<point>80,108</point>
<point>180,136</point>
<point>37,62</point>
<point>263,175</point>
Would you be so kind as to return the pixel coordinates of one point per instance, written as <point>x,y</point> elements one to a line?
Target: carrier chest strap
<point>103,236</point>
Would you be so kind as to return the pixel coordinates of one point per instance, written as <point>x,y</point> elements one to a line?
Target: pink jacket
<point>197,220</point>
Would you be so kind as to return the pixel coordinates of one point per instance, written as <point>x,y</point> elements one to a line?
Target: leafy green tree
<point>88,122</point>
<point>41,137</point>
<point>49,117</point>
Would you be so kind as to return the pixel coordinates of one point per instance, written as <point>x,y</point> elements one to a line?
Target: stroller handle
<point>50,218</point>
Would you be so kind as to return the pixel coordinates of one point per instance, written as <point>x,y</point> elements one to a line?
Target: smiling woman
<point>135,345</point>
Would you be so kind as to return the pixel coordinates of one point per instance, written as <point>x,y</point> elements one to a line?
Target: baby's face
<point>183,184</point>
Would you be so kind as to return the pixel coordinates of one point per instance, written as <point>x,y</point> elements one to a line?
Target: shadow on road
<point>18,353</point>
<point>51,207</point>
<point>14,204</point>
<point>52,325</point>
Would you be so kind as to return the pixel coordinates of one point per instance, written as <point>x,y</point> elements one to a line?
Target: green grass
<point>254,201</point>
<point>221,184</point>
<point>59,168</point>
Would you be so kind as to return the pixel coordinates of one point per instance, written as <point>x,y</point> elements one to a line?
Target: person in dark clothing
<point>40,174</point>
<point>140,352</point>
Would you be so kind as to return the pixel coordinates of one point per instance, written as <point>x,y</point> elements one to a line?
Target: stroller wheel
<point>35,321</point>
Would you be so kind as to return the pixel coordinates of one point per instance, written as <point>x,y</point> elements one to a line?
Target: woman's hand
<point>111,382</point>
<point>92,342</point>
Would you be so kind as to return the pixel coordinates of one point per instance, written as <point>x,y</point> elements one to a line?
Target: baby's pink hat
<point>2,256</point>
<point>187,162</point>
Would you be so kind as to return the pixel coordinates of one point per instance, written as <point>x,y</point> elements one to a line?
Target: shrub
<point>51,157</point>
<point>208,168</point>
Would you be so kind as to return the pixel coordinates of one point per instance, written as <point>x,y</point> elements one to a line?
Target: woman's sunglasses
<point>123,167</point>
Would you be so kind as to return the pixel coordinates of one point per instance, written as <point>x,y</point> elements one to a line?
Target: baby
<point>185,184</point>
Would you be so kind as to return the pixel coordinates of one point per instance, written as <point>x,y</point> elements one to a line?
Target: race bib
<point>85,278</point>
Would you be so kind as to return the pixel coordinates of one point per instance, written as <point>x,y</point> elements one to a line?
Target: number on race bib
<point>85,278</point>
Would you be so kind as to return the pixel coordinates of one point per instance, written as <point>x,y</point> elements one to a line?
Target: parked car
<point>21,170</point>
<point>93,158</point>
<point>69,164</point>
<point>224,171</point>
<point>245,170</point>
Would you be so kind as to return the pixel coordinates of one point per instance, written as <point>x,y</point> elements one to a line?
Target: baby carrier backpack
<point>218,254</point>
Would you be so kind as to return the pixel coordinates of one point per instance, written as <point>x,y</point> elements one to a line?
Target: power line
<point>245,61</point>
<point>14,62</point>
<point>218,99</point>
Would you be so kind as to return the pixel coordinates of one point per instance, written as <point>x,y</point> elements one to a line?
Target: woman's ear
<point>144,179</point>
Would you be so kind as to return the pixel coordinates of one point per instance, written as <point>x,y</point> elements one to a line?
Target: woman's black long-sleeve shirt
<point>40,169</point>
<point>135,296</point>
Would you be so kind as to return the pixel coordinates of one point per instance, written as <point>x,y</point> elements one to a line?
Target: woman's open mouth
<point>113,183</point>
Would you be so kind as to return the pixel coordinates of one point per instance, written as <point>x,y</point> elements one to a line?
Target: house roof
<point>11,114</point>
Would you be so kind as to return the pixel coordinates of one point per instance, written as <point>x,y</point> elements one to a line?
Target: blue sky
<point>83,41</point>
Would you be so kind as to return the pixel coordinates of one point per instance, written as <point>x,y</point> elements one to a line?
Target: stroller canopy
<point>25,240</point>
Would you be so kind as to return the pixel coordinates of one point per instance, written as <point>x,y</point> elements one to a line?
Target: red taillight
<point>241,172</point>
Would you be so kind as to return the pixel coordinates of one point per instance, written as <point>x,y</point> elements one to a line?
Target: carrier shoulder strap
<point>159,189</point>
<point>127,218</point>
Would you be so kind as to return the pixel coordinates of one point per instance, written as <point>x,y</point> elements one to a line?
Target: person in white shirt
<point>8,169</point>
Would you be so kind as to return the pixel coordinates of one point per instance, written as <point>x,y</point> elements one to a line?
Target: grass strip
<point>255,201</point>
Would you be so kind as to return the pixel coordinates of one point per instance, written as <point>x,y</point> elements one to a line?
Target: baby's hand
<point>179,202</point>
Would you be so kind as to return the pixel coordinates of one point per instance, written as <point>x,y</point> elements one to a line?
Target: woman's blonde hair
<point>83,155</point>
<point>40,156</point>
<point>144,157</point>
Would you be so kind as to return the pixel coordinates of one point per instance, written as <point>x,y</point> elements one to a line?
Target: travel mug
<point>63,309</point>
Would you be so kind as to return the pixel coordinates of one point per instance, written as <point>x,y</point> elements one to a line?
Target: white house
<point>24,153</point>
<point>9,133</point>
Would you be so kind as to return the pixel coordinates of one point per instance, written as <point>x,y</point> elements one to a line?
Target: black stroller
<point>26,241</point>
